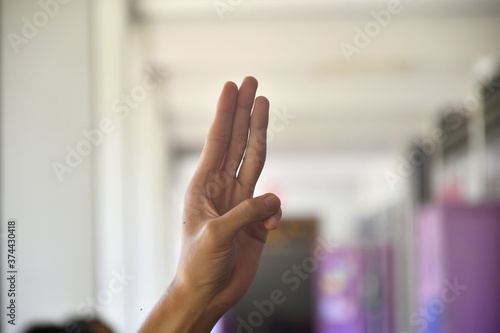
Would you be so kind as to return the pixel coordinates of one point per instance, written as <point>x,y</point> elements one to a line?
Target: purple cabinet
<point>458,267</point>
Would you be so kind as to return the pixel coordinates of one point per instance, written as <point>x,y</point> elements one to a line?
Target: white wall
<point>148,236</point>
<point>107,45</point>
<point>45,106</point>
<point>107,216</point>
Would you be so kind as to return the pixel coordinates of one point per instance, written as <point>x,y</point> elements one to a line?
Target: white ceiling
<point>386,95</point>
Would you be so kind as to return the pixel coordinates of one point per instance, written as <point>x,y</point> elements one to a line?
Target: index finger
<point>219,135</point>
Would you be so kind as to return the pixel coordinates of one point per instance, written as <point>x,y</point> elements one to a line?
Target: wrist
<point>182,310</point>
<point>194,309</point>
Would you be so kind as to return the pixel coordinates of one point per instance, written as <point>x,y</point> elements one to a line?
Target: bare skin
<point>224,226</point>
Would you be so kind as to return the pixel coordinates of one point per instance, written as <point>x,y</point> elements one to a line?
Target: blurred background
<point>384,146</point>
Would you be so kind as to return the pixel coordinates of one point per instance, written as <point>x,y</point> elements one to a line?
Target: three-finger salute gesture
<point>224,226</point>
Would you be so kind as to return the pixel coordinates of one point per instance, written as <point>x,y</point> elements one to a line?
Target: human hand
<point>225,228</point>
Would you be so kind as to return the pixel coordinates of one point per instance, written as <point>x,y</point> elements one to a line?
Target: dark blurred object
<point>72,326</point>
<point>453,174</point>
<point>491,114</point>
<point>82,326</point>
<point>46,329</point>
<point>422,175</point>
<point>454,125</point>
<point>284,266</point>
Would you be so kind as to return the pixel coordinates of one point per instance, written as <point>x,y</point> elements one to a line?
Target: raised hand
<point>225,228</point>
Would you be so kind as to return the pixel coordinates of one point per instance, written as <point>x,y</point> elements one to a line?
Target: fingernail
<point>273,222</point>
<point>272,202</point>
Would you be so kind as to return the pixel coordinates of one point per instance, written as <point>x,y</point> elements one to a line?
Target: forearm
<point>181,311</point>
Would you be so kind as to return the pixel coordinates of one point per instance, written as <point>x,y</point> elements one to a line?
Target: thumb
<point>250,210</point>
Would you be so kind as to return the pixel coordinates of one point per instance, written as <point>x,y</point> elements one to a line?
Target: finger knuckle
<point>248,187</point>
<point>258,160</point>
<point>220,138</point>
<point>212,228</point>
<point>240,141</point>
<point>250,208</point>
